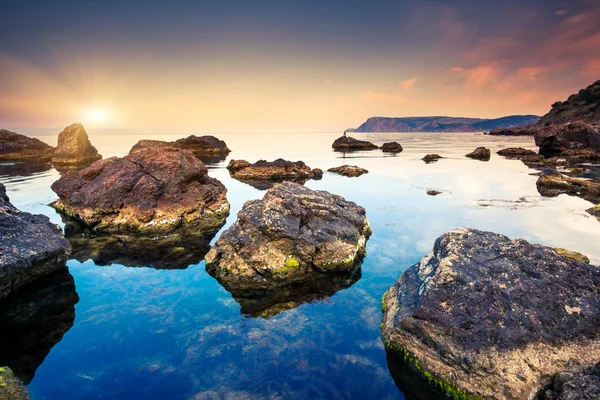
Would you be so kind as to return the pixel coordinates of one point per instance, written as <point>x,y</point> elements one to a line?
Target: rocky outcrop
<point>264,174</point>
<point>516,152</point>
<point>430,158</point>
<point>483,316</point>
<point>583,106</point>
<point>15,147</point>
<point>391,147</point>
<point>152,191</point>
<point>349,170</point>
<point>11,388</point>
<point>34,320</point>
<point>527,130</point>
<point>552,183</point>
<point>347,143</point>
<point>480,153</point>
<point>207,148</point>
<point>287,237</point>
<point>555,139</point>
<point>30,247</point>
<point>74,148</point>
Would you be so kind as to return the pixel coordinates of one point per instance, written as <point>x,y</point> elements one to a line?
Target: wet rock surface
<point>15,147</point>
<point>264,174</point>
<point>351,171</point>
<point>286,237</point>
<point>11,388</point>
<point>347,143</point>
<point>74,148</point>
<point>489,317</point>
<point>551,183</point>
<point>391,147</point>
<point>207,148</point>
<point>480,153</point>
<point>430,158</point>
<point>516,152</point>
<point>30,246</point>
<point>153,191</point>
<point>34,319</point>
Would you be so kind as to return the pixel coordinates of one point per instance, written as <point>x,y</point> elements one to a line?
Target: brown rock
<point>480,153</point>
<point>15,147</point>
<point>74,147</point>
<point>349,170</point>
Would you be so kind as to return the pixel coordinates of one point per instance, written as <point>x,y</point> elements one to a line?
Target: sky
<point>287,65</point>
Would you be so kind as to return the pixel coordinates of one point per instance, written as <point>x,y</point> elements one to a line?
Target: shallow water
<point>144,333</point>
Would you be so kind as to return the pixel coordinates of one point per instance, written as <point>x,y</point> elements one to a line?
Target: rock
<point>552,183</point>
<point>527,130</point>
<point>347,143</point>
<point>349,170</point>
<point>74,147</point>
<point>207,148</point>
<point>391,147</point>
<point>264,174</point>
<point>432,192</point>
<point>287,236</point>
<point>429,158</point>
<point>555,139</point>
<point>34,320</point>
<point>516,152</point>
<point>11,388</point>
<point>15,147</point>
<point>480,153</point>
<point>483,316</point>
<point>156,190</point>
<point>30,247</point>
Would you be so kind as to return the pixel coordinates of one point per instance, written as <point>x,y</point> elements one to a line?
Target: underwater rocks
<point>11,388</point>
<point>555,139</point>
<point>552,183</point>
<point>74,148</point>
<point>483,316</point>
<point>264,174</point>
<point>30,246</point>
<point>480,153</point>
<point>347,143</point>
<point>152,191</point>
<point>34,319</point>
<point>391,147</point>
<point>430,158</point>
<point>516,152</point>
<point>207,148</point>
<point>351,171</point>
<point>286,237</point>
<point>15,147</point>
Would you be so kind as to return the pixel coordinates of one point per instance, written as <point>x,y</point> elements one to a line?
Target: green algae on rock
<point>477,319</point>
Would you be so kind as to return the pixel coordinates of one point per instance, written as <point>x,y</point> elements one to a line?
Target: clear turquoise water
<point>141,333</point>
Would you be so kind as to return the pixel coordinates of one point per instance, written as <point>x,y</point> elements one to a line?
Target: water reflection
<point>35,319</point>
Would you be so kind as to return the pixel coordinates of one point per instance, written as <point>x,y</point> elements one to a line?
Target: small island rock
<point>480,153</point>
<point>15,147</point>
<point>74,147</point>
<point>152,191</point>
<point>348,143</point>
<point>392,147</point>
<point>351,171</point>
<point>476,316</point>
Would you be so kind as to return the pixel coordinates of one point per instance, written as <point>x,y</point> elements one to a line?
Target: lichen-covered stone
<point>74,148</point>
<point>484,316</point>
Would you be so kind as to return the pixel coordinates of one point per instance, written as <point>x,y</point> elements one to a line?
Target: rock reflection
<point>34,320</point>
<point>409,381</point>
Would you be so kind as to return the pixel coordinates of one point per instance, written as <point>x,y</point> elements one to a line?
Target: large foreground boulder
<point>555,139</point>
<point>347,143</point>
<point>30,247</point>
<point>483,316</point>
<point>15,147</point>
<point>74,148</point>
<point>288,236</point>
<point>152,191</point>
<point>207,148</point>
<point>264,174</point>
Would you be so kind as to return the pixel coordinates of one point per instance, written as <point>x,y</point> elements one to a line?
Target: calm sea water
<point>143,333</point>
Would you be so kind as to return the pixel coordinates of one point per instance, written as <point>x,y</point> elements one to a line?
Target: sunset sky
<point>287,65</point>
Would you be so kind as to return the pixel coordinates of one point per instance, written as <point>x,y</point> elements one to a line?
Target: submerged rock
<point>392,147</point>
<point>483,316</point>
<point>30,246</point>
<point>152,191</point>
<point>347,143</point>
<point>349,170</point>
<point>287,236</point>
<point>480,153</point>
<point>264,174</point>
<point>552,183</point>
<point>429,158</point>
<point>11,388</point>
<point>74,147</point>
<point>34,319</point>
<point>15,147</point>
<point>555,139</point>
<point>207,148</point>
<point>516,152</point>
